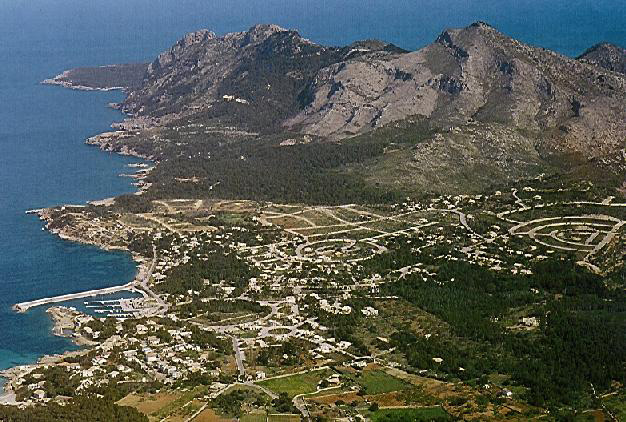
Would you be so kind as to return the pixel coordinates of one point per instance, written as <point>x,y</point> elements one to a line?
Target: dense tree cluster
<point>208,339</point>
<point>231,403</point>
<point>56,382</point>
<point>85,409</point>
<point>262,170</point>
<point>580,340</point>
<point>197,275</point>
<point>218,306</point>
<point>290,353</point>
<point>283,404</point>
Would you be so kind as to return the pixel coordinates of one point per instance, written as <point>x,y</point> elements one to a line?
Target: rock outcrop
<point>473,73</point>
<point>270,79</point>
<point>608,56</point>
<point>259,72</point>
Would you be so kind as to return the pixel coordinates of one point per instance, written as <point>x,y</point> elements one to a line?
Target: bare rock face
<point>473,73</point>
<point>266,66</point>
<point>262,75</point>
<point>608,56</point>
<point>165,61</point>
<point>269,79</point>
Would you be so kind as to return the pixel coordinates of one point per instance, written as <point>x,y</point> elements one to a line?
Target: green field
<point>284,418</point>
<point>253,417</point>
<point>181,401</point>
<point>378,382</point>
<point>296,384</point>
<point>427,414</point>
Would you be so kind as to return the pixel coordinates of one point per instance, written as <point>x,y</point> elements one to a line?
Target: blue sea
<point>44,162</point>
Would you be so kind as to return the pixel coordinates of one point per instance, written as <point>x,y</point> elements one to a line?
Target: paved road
<point>239,358</point>
<point>144,284</point>
<point>299,404</point>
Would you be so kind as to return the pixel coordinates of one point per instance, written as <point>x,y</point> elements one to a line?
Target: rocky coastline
<point>73,233</point>
<point>63,317</point>
<point>65,326</point>
<point>62,80</point>
<point>113,142</point>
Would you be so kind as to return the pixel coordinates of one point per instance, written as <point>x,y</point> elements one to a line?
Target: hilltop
<point>609,56</point>
<point>474,109</point>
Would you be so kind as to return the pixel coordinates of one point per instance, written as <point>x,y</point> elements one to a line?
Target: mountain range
<point>473,108</point>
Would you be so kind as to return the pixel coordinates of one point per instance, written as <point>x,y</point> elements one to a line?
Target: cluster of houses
<point>286,284</point>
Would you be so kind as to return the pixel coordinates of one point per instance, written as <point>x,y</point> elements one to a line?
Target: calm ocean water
<point>42,157</point>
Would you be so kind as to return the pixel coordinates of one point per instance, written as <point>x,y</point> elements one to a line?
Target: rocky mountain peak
<point>182,46</point>
<point>606,55</point>
<point>196,37</point>
<point>461,40</point>
<point>260,33</point>
<point>482,25</point>
<point>472,74</point>
<point>272,75</point>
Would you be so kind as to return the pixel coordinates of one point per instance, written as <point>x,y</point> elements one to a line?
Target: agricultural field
<point>297,384</point>
<point>429,414</point>
<point>150,404</point>
<point>209,415</point>
<point>377,382</point>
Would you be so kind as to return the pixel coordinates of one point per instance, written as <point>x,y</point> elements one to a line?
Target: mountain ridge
<point>609,56</point>
<point>475,105</point>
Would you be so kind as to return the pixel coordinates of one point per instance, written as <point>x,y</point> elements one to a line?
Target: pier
<point>139,285</point>
<point>25,306</point>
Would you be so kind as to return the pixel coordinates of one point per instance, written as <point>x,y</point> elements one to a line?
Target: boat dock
<point>116,308</point>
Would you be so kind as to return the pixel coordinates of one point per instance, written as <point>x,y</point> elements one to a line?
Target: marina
<point>25,306</point>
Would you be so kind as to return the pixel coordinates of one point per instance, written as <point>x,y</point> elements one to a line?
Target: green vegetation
<point>293,385</point>
<point>215,307</point>
<point>199,274</point>
<point>208,339</point>
<point>290,353</point>
<point>230,404</point>
<point>430,414</point>
<point>56,382</point>
<point>616,403</point>
<point>120,75</point>
<point>579,342</point>
<point>283,403</point>
<point>377,382</point>
<point>311,173</point>
<point>170,407</point>
<point>87,409</point>
<point>253,417</point>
